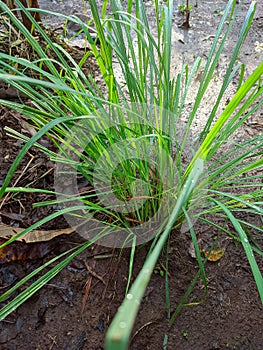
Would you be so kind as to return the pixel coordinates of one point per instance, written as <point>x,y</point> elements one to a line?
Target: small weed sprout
<point>185,9</point>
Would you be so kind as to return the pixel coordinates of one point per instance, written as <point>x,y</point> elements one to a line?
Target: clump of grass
<point>127,140</point>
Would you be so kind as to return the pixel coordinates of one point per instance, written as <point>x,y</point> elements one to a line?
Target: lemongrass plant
<point>126,138</point>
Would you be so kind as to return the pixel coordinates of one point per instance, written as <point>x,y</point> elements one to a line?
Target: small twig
<point>141,328</point>
<point>18,179</point>
<point>89,281</point>
<point>164,269</point>
<point>86,295</point>
<point>94,274</point>
<point>53,341</point>
<point>113,273</point>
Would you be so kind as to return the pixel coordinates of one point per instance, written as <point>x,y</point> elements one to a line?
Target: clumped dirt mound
<point>74,310</point>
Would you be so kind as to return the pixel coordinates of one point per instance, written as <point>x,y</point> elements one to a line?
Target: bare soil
<point>74,310</point>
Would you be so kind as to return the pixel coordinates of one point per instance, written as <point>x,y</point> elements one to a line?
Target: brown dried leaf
<point>25,251</point>
<point>215,254</point>
<point>7,231</point>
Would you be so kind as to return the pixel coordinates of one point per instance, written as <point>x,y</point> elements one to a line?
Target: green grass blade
<point>230,108</point>
<point>35,286</point>
<point>241,38</point>
<point>118,334</point>
<point>247,247</point>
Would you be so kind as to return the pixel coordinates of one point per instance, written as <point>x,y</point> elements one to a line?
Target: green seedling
<point>185,9</point>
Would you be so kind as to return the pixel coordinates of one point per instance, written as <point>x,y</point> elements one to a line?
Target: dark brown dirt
<point>55,318</point>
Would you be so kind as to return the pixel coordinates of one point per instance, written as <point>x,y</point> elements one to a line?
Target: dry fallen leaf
<point>215,254</point>
<point>7,231</point>
<point>23,251</point>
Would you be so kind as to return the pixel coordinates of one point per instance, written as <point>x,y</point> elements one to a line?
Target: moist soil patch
<point>74,310</point>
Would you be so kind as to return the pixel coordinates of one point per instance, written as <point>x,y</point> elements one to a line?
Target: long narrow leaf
<point>118,334</point>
